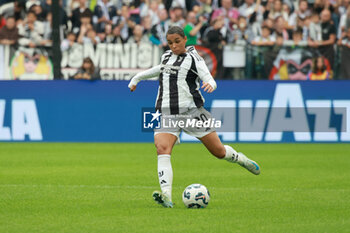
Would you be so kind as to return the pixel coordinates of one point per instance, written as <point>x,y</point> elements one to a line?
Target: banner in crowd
<point>25,64</point>
<point>293,63</point>
<point>114,61</point>
<point>99,111</point>
<point>123,61</point>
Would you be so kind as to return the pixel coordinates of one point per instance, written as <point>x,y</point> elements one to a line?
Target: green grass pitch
<point>73,188</point>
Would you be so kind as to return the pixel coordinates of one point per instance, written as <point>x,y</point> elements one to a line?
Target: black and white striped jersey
<point>179,81</point>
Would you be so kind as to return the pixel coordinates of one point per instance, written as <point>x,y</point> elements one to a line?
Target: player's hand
<point>133,88</point>
<point>207,87</point>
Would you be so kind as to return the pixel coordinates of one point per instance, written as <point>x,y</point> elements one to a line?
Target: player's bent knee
<point>163,149</point>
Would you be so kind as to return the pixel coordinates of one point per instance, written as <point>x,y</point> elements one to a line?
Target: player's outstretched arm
<point>150,73</point>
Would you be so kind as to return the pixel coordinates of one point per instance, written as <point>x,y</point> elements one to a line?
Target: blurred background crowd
<point>318,29</point>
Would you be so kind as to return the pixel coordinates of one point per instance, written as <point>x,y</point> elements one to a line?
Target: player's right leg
<point>164,143</point>
<point>213,143</point>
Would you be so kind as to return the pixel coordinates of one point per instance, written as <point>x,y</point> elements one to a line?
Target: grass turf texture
<point>107,188</point>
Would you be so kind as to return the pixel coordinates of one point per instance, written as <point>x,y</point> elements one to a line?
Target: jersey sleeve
<point>146,74</point>
<point>150,73</point>
<point>202,70</point>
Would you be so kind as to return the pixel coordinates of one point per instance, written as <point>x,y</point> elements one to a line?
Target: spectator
<point>241,31</point>
<point>343,7</point>
<point>286,12</point>
<point>9,33</point>
<point>88,36</point>
<point>101,36</point>
<point>85,24</point>
<point>46,7</point>
<point>146,23</point>
<point>192,28</point>
<point>345,40</point>
<point>109,37</point>
<point>269,23</point>
<point>117,38</point>
<point>105,12</point>
<point>344,23</point>
<point>183,4</point>
<point>252,11</point>
<point>176,17</point>
<point>47,36</point>
<point>20,12</point>
<point>304,24</point>
<point>30,3</point>
<point>266,39</point>
<point>229,13</point>
<point>280,28</point>
<point>31,31</point>
<point>82,10</point>
<point>277,9</point>
<point>151,8</point>
<point>138,36</point>
<point>320,5</point>
<point>125,24</point>
<point>302,12</point>
<point>215,35</point>
<point>87,71</point>
<point>268,7</point>
<point>203,7</point>
<point>328,37</point>
<point>344,44</point>
<point>278,43</point>
<point>68,43</point>
<point>273,9</point>
<point>71,6</point>
<point>315,30</point>
<point>40,14</point>
<point>131,4</point>
<point>298,39</point>
<point>319,70</point>
<point>158,31</point>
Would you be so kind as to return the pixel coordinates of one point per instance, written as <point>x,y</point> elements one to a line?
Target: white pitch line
<point>77,186</point>
<point>156,187</point>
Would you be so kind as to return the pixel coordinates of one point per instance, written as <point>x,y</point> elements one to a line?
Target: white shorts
<point>199,115</point>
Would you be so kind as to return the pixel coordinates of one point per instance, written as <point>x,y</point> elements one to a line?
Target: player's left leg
<point>164,143</point>
<point>213,143</point>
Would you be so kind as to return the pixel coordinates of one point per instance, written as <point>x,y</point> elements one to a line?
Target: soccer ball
<point>196,196</point>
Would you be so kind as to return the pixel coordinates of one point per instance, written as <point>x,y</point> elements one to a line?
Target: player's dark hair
<point>176,30</point>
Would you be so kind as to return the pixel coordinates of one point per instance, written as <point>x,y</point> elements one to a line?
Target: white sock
<point>231,154</point>
<point>165,174</point>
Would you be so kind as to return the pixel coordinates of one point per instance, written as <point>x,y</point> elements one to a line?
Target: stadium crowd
<point>318,24</point>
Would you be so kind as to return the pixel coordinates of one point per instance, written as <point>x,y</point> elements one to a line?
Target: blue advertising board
<point>106,111</point>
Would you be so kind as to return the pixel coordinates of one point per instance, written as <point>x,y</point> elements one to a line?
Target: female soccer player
<point>179,97</point>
